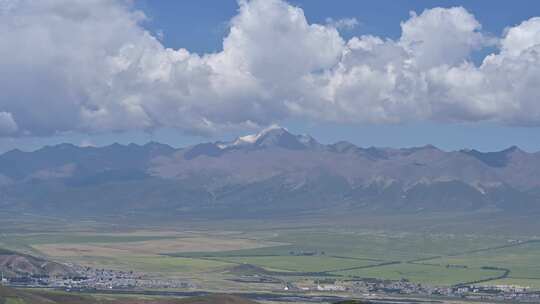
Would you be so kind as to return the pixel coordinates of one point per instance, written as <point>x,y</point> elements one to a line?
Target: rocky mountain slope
<point>272,172</point>
<point>14,265</point>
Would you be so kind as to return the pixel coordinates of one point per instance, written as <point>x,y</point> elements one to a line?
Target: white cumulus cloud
<point>7,124</point>
<point>90,66</point>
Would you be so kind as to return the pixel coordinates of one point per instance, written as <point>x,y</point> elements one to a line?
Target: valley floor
<point>275,257</point>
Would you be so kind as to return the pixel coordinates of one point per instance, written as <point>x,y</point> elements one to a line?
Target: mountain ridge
<point>245,139</point>
<point>273,170</point>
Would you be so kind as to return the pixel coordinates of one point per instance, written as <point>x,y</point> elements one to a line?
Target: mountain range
<point>269,173</point>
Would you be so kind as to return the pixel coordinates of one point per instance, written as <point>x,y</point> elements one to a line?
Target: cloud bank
<point>90,66</point>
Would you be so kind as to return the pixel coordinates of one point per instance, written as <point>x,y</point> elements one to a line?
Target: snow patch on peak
<point>305,139</point>
<point>273,127</point>
<point>251,138</point>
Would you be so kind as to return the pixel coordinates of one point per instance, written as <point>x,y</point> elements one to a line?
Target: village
<point>98,279</point>
<point>107,280</point>
<point>367,288</point>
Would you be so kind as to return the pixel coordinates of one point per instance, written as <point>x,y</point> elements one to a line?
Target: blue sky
<point>201,25</point>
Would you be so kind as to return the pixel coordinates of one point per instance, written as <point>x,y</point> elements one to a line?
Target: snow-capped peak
<point>273,136</point>
<point>251,138</point>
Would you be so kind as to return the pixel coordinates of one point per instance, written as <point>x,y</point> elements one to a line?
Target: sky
<point>456,74</point>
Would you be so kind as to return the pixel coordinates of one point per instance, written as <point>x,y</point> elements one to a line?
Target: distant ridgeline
<point>270,173</point>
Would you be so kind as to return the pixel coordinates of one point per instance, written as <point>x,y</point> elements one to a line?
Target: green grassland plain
<point>345,252</point>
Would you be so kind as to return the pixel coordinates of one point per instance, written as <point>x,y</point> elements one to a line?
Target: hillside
<point>19,296</point>
<point>13,265</point>
<point>273,172</point>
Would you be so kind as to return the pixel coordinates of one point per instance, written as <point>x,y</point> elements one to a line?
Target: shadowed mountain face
<point>493,159</point>
<point>273,172</point>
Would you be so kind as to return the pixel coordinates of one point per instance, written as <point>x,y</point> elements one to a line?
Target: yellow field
<point>184,244</point>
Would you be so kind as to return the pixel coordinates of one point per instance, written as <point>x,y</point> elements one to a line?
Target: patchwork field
<point>287,253</point>
<point>153,264</point>
<point>141,251</point>
<point>299,263</point>
<point>522,261</point>
<point>425,274</point>
<point>434,259</point>
<point>155,246</point>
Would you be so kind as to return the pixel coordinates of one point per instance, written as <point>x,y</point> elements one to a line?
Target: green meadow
<point>351,253</point>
